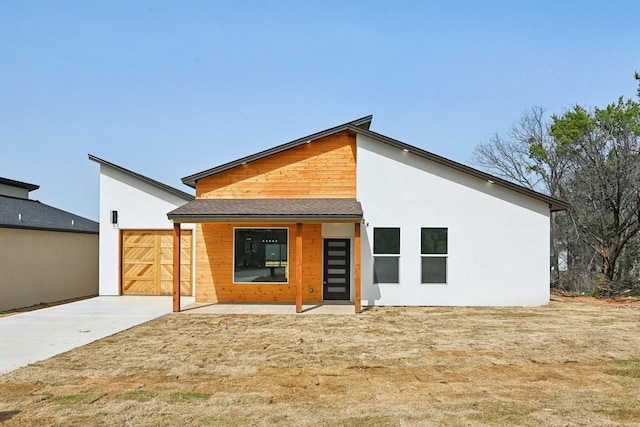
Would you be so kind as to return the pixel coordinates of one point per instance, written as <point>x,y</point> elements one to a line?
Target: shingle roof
<point>153,182</point>
<point>268,209</point>
<point>361,126</point>
<point>31,214</point>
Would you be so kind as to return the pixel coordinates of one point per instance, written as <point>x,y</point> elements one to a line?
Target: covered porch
<point>306,251</point>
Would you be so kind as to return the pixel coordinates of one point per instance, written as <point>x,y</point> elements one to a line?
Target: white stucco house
<point>135,243</point>
<point>343,214</point>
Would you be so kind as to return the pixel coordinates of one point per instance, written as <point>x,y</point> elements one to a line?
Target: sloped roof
<point>362,123</point>
<point>153,182</point>
<point>31,214</point>
<point>268,209</point>
<point>19,184</point>
<point>361,126</point>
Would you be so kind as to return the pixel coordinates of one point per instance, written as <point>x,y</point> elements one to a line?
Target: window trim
<point>233,262</point>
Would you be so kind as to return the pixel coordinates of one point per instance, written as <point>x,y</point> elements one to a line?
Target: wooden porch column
<point>357,266</point>
<point>299,268</point>
<point>176,266</point>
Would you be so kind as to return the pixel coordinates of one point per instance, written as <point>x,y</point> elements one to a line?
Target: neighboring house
<point>46,254</point>
<point>136,246</point>
<point>347,214</point>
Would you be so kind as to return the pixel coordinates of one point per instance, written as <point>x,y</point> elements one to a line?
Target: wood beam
<point>357,267</point>
<point>299,268</point>
<point>176,266</point>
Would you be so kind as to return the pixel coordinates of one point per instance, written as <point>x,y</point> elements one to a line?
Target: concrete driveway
<point>40,334</point>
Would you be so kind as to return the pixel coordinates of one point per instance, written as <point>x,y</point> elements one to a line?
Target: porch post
<point>176,266</point>
<point>299,268</point>
<point>357,264</point>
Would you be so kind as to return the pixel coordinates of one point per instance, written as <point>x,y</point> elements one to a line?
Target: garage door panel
<point>147,262</point>
<point>139,254</point>
<point>139,287</point>
<point>167,288</point>
<point>139,271</point>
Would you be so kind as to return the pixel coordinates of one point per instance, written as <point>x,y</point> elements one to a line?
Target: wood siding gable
<point>324,168</point>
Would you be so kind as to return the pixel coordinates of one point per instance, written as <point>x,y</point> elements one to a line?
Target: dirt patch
<point>563,364</point>
<point>620,302</point>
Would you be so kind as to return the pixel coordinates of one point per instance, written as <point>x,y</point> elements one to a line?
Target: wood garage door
<point>147,262</point>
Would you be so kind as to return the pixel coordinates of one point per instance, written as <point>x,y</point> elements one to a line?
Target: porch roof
<point>224,210</point>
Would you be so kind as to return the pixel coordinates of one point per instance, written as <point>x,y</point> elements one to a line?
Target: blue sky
<point>169,89</point>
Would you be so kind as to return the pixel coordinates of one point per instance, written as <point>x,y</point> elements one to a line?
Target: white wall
<point>140,206</point>
<point>498,240</point>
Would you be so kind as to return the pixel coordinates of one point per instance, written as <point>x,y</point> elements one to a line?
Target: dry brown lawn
<point>566,364</point>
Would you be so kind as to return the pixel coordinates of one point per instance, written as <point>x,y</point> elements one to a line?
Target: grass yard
<point>567,364</point>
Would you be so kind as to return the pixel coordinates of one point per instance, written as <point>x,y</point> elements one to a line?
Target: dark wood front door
<point>337,269</point>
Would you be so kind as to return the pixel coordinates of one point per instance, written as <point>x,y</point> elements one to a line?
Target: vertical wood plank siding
<point>321,169</point>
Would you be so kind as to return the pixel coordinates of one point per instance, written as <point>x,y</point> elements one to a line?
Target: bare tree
<point>531,157</point>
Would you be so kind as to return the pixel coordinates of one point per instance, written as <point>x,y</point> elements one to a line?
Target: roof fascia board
<point>57,230</point>
<point>359,124</point>
<point>19,184</point>
<point>263,218</point>
<point>153,182</point>
<point>554,204</point>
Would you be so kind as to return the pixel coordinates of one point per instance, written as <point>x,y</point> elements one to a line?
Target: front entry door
<point>337,269</point>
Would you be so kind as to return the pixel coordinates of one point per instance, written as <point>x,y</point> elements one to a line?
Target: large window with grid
<point>434,249</point>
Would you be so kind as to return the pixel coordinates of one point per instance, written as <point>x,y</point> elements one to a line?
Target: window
<point>261,255</point>
<point>433,243</point>
<point>386,259</point>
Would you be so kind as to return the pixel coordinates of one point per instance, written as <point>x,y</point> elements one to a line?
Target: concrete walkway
<point>40,334</point>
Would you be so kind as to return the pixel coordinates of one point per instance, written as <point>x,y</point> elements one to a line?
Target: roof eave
<point>19,184</point>
<point>358,124</point>
<point>554,204</point>
<point>58,230</point>
<point>263,218</point>
<point>152,182</point>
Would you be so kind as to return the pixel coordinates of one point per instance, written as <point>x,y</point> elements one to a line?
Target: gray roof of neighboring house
<point>165,187</point>
<point>269,209</point>
<point>19,184</point>
<point>31,214</point>
<point>361,126</point>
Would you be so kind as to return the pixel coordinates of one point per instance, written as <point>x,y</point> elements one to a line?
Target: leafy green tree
<point>604,189</point>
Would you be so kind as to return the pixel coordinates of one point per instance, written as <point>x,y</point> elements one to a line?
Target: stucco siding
<point>46,266</point>
<point>498,240</point>
<point>140,206</point>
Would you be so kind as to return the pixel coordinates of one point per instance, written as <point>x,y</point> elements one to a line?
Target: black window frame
<point>434,251</point>
<point>257,257</point>
<point>386,252</point>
